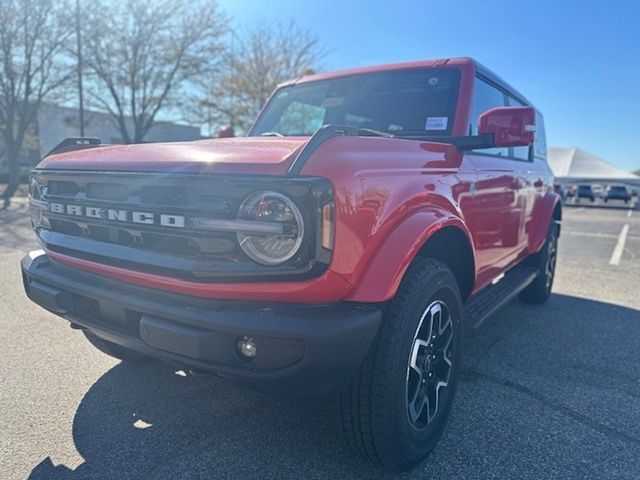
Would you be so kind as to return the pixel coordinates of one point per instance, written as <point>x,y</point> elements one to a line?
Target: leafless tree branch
<point>256,61</point>
<point>32,35</point>
<point>142,54</point>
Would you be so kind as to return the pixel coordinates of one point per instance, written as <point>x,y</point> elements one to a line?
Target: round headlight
<point>275,209</point>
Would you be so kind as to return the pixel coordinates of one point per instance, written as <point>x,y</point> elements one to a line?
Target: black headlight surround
<point>310,195</point>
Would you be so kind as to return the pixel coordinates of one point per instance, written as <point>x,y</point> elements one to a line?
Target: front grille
<point>105,230</point>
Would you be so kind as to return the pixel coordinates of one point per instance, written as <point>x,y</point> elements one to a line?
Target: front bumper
<point>301,349</point>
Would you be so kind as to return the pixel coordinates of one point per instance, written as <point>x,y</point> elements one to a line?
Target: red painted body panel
<point>391,195</point>
<point>374,197</point>
<point>246,155</point>
<point>324,289</point>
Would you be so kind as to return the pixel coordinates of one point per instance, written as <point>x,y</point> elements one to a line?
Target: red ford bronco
<point>369,217</point>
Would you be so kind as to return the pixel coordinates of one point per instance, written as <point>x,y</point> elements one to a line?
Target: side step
<point>492,298</point>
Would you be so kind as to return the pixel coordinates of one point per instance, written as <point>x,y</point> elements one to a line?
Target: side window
<point>540,142</point>
<point>300,117</point>
<point>485,97</point>
<point>521,153</point>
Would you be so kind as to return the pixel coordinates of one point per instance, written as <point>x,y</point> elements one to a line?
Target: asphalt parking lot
<point>547,391</point>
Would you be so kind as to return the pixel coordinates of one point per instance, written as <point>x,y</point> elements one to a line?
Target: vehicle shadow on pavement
<point>146,422</point>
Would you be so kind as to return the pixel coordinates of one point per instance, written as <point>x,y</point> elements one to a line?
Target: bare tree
<point>32,36</point>
<point>140,54</point>
<point>257,60</point>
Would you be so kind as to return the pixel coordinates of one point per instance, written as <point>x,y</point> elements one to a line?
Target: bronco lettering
<point>118,215</point>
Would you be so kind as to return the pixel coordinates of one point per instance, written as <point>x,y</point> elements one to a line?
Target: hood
<point>246,155</point>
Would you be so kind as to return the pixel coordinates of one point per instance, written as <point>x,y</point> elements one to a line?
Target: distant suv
<point>341,248</point>
<point>618,192</point>
<point>585,191</point>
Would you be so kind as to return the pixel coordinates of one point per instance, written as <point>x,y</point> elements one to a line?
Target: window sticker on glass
<point>436,123</point>
<point>332,102</point>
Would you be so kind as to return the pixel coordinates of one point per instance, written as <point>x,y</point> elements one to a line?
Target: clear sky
<point>577,61</point>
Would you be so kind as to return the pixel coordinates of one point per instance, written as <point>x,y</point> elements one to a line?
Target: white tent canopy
<point>574,164</point>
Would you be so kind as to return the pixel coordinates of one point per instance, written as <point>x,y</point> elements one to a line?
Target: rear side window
<point>485,97</point>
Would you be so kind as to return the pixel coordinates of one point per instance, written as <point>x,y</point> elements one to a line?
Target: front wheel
<point>396,407</point>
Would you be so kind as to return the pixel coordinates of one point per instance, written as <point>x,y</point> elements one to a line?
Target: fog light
<point>247,347</point>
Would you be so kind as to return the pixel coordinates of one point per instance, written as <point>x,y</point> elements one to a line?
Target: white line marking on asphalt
<point>619,248</point>
<point>629,212</point>
<point>573,210</point>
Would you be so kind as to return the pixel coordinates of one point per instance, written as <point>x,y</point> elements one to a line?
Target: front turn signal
<point>327,227</point>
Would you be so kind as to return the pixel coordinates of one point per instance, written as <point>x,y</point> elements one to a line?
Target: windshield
<point>417,101</point>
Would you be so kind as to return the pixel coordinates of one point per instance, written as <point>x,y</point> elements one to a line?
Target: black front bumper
<point>302,349</point>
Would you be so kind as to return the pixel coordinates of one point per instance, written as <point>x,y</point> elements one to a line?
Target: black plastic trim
<point>324,133</point>
<point>74,143</point>
<point>302,349</point>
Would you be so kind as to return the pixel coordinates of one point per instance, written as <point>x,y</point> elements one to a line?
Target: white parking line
<point>573,210</point>
<point>619,248</point>
<point>629,212</point>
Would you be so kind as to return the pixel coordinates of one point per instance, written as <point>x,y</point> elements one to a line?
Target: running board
<point>493,297</point>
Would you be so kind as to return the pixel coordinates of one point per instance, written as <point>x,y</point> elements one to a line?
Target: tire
<point>384,417</point>
<point>116,351</point>
<point>539,290</point>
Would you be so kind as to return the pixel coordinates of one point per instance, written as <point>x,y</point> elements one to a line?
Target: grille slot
<point>107,191</point>
<point>69,228</point>
<point>110,235</point>
<point>170,244</point>
<point>160,195</point>
<point>63,187</point>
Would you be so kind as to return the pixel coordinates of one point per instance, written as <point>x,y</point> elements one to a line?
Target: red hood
<point>249,155</point>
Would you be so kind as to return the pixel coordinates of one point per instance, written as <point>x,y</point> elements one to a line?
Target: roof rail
<point>74,143</point>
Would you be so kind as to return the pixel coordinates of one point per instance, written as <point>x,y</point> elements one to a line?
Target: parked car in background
<point>618,192</point>
<point>585,191</point>
<point>598,191</point>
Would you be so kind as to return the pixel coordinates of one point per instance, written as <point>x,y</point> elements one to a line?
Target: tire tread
<point>358,402</point>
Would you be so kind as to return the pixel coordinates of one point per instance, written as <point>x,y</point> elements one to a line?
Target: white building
<point>56,123</point>
<point>574,165</point>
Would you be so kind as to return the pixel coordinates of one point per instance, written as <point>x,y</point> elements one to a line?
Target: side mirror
<point>510,126</point>
<point>226,131</point>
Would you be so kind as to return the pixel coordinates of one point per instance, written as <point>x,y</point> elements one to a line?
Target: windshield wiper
<point>369,132</point>
<point>271,134</point>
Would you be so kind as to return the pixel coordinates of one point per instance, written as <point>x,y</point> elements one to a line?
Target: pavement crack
<point>585,420</point>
